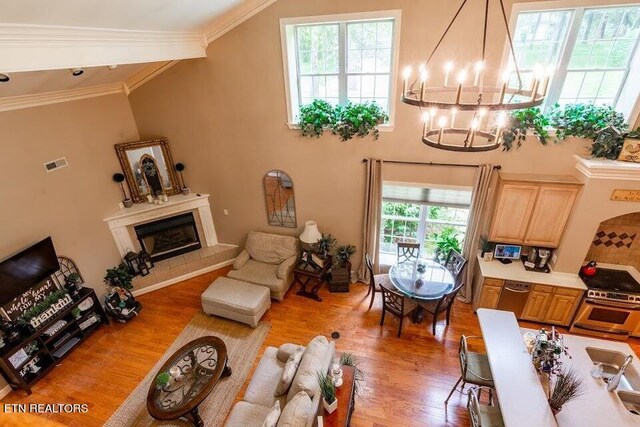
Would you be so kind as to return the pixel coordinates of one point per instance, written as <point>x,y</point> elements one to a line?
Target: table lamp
<point>310,235</point>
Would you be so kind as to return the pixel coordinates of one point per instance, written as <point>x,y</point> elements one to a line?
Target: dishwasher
<point>514,297</point>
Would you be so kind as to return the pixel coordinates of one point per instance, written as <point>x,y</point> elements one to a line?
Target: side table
<point>341,417</point>
<point>306,274</point>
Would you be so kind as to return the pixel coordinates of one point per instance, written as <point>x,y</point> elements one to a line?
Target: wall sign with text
<point>24,302</point>
<point>625,195</point>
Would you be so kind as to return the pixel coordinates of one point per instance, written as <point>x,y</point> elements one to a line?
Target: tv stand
<point>49,350</point>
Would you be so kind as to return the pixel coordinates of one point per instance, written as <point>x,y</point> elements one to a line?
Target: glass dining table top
<point>422,280</point>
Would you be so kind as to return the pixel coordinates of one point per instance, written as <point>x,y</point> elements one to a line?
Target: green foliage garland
<point>346,121</point>
<point>43,305</point>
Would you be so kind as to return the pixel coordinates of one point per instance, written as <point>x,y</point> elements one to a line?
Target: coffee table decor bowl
<point>194,369</point>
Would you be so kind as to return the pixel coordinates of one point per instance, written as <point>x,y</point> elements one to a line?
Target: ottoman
<point>236,300</point>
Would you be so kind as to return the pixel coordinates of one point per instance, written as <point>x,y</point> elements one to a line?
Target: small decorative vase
<point>330,407</point>
<point>127,203</point>
<point>186,191</point>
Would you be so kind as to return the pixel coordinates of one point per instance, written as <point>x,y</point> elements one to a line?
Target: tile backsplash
<point>617,241</point>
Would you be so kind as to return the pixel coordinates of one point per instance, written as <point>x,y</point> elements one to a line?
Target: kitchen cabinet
<point>532,210</point>
<point>490,294</point>
<point>537,303</point>
<point>562,306</point>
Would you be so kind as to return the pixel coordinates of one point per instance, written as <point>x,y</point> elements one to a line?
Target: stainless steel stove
<point>611,307</point>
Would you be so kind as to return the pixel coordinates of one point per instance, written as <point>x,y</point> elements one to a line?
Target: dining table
<point>421,280</point>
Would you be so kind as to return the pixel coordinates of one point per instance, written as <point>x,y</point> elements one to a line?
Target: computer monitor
<point>508,252</point>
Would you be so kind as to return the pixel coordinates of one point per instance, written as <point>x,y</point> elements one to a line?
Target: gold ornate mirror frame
<point>137,193</point>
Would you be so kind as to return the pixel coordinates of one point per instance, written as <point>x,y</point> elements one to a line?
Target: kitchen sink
<point>611,362</point>
<point>630,400</point>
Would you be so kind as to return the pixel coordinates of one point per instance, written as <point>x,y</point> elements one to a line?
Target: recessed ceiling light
<point>75,72</point>
<point>112,67</point>
<point>4,78</point>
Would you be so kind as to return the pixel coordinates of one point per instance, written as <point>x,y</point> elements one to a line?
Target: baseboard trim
<point>184,277</point>
<point>6,390</point>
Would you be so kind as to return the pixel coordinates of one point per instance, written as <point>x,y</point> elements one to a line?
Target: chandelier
<point>465,114</point>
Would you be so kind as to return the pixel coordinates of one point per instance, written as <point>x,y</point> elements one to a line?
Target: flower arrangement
<point>547,349</point>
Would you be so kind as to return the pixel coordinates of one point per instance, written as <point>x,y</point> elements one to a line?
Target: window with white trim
<point>593,49</point>
<point>341,59</point>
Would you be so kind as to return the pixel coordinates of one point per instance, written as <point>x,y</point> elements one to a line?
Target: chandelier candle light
<point>486,104</point>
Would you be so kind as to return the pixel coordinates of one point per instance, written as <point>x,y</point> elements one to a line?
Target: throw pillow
<point>297,412</point>
<point>306,378</point>
<point>272,416</point>
<point>630,150</point>
<point>286,350</point>
<point>289,372</point>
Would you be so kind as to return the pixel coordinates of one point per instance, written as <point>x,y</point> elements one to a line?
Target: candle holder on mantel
<point>478,99</point>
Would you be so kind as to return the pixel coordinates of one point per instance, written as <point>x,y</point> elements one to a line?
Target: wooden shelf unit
<point>48,345</point>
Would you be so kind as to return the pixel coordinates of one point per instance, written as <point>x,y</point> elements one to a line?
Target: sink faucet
<point>615,380</point>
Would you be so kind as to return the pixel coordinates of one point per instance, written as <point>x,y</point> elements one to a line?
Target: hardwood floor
<point>406,379</point>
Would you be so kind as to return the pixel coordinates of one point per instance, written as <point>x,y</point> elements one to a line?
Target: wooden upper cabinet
<point>550,215</point>
<point>513,210</point>
<point>533,209</point>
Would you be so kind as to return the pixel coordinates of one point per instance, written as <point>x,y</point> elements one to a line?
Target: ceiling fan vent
<point>56,164</point>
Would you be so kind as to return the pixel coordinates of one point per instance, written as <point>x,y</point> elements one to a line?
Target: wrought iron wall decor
<point>279,196</point>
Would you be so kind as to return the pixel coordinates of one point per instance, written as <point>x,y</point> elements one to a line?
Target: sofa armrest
<point>241,260</point>
<point>286,266</point>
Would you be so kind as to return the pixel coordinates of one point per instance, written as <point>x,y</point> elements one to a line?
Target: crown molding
<point>608,169</point>
<point>37,47</point>
<point>26,101</point>
<point>147,73</point>
<point>235,17</point>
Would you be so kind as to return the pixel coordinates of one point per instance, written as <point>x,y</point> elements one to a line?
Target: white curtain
<point>372,214</point>
<point>477,216</point>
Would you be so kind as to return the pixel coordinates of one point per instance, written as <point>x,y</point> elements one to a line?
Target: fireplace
<point>169,237</point>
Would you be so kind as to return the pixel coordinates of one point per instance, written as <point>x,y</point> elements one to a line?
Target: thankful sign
<point>19,305</point>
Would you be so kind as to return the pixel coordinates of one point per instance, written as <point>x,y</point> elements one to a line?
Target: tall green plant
<point>327,388</point>
<point>119,276</point>
<point>445,241</point>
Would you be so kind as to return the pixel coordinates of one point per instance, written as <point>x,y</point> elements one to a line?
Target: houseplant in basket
<point>119,302</point>
<point>341,269</point>
<point>328,390</point>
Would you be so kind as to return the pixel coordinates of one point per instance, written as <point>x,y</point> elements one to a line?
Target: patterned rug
<point>243,344</point>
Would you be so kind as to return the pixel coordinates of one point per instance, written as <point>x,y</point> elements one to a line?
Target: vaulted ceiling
<point>40,43</point>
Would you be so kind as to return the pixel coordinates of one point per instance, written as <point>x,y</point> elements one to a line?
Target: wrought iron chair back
<point>408,251</point>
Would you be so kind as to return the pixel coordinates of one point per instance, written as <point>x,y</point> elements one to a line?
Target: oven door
<point>606,319</point>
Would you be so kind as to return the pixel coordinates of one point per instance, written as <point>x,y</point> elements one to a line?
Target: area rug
<point>243,344</point>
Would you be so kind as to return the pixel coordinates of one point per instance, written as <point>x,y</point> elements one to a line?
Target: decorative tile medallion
<point>613,239</point>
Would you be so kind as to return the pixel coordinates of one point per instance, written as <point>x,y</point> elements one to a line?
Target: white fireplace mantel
<point>120,222</point>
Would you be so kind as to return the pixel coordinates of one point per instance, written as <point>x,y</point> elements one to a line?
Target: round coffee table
<point>201,363</point>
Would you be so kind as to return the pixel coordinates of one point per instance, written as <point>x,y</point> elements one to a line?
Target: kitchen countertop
<point>522,398</point>
<point>516,271</point>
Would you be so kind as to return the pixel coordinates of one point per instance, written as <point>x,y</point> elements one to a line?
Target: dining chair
<point>455,263</point>
<point>483,415</point>
<point>377,281</point>
<point>474,367</point>
<point>408,251</point>
<point>444,304</point>
<point>396,304</point>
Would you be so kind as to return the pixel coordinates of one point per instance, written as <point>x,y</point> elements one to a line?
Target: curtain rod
<point>458,165</point>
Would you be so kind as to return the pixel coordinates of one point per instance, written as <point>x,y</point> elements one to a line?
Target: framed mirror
<point>281,205</point>
<point>148,166</point>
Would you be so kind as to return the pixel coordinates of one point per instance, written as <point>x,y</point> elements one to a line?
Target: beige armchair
<point>267,260</point>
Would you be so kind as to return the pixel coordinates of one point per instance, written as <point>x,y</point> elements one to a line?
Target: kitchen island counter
<point>523,401</point>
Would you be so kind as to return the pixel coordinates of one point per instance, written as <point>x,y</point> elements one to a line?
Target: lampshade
<point>310,234</point>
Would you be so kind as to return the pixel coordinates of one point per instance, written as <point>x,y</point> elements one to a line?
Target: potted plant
<point>162,380</point>
<point>348,359</point>
<point>341,269</point>
<point>358,119</point>
<point>76,312</point>
<point>328,390</point>
<point>568,386</point>
<point>71,283</point>
<point>325,245</point>
<point>486,248</point>
<point>119,276</point>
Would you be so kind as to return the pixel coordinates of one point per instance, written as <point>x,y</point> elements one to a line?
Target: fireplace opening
<point>169,237</point>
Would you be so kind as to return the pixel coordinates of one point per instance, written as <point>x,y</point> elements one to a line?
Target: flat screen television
<point>508,252</point>
<point>25,269</point>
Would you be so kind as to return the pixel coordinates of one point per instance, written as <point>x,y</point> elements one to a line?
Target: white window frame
<point>630,91</point>
<point>290,69</point>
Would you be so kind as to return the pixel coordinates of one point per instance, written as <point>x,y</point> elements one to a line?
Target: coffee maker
<point>539,257</point>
